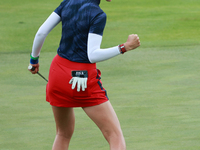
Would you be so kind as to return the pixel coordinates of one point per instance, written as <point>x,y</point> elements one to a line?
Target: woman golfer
<point>74,80</point>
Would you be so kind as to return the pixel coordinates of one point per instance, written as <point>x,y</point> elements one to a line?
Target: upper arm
<point>49,24</point>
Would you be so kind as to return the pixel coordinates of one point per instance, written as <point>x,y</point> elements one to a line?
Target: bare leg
<point>106,119</point>
<point>65,122</point>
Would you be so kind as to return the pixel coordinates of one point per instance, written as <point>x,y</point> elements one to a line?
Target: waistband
<point>74,65</point>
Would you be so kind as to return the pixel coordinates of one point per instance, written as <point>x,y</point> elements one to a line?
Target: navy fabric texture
<point>79,17</point>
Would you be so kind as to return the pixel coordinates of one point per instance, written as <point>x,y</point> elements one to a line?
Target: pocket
<point>81,93</point>
<point>80,74</point>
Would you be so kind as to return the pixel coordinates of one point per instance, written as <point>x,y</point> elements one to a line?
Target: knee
<point>116,141</point>
<point>115,137</point>
<point>66,133</point>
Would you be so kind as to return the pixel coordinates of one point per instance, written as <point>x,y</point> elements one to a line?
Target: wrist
<point>34,60</point>
<point>122,48</point>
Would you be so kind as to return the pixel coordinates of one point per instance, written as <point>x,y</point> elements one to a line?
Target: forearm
<point>37,44</point>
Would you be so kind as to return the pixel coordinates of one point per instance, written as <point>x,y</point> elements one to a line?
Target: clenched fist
<point>132,42</point>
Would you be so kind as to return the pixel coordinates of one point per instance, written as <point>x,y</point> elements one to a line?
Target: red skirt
<point>59,92</point>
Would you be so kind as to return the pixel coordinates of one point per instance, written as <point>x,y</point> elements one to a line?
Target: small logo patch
<point>80,73</point>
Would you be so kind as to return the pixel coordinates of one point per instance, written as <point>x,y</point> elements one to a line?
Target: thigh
<point>65,119</point>
<point>104,117</point>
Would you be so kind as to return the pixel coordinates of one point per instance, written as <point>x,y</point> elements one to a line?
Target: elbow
<point>92,58</point>
<point>41,34</point>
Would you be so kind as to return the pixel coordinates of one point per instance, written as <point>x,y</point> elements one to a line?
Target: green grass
<point>153,89</point>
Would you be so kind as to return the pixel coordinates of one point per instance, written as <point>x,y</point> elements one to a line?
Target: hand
<point>33,68</point>
<point>132,42</point>
<point>81,82</point>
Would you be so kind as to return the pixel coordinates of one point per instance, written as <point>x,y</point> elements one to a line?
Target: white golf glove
<point>79,78</point>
